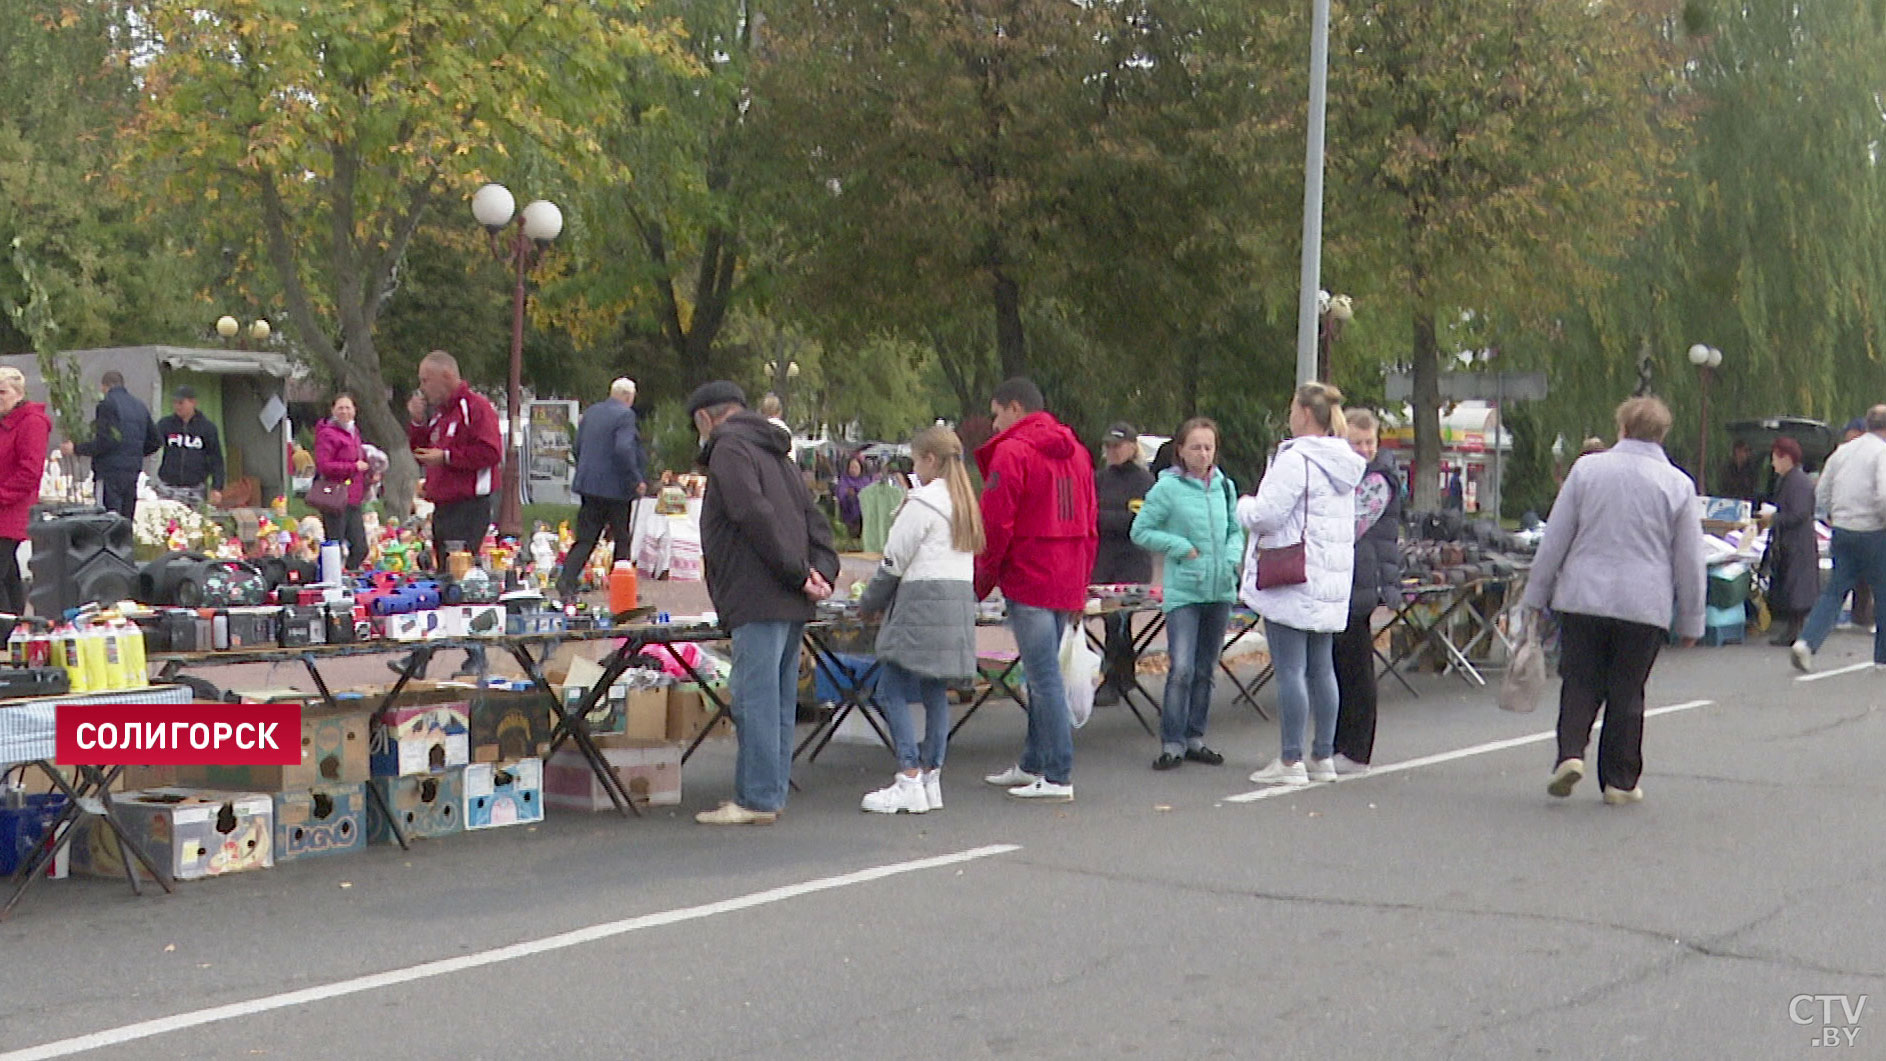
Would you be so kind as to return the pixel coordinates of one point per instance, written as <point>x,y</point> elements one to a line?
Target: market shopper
<point>1852,490</point>
<point>341,457</point>
<point>24,431</point>
<point>122,436</point>
<point>1307,498</point>
<point>1376,582</point>
<point>925,591</point>
<point>1190,517</point>
<point>453,432</point>
<point>1038,515</point>
<point>769,558</point>
<point>1119,490</point>
<point>849,493</point>
<point>191,470</point>
<point>1621,564</point>
<point>608,478</point>
<point>1792,558</point>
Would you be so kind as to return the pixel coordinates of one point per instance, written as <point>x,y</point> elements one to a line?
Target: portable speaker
<point>81,559</point>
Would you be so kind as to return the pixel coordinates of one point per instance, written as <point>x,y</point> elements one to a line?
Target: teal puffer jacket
<point>1182,514</point>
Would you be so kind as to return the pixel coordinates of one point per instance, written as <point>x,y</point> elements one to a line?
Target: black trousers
<point>118,492</point>
<point>460,521</point>
<point>12,586</point>
<point>594,516</point>
<point>1117,663</point>
<point>1605,663</point>
<point>348,526</point>
<point>1354,651</point>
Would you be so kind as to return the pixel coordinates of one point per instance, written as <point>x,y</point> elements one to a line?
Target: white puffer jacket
<point>1275,518</point>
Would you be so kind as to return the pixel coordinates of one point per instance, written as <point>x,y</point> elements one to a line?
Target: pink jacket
<point>337,456</point>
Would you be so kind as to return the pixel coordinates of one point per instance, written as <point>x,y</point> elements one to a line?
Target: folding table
<point>1141,641</point>
<point>1453,602</point>
<point>856,690</point>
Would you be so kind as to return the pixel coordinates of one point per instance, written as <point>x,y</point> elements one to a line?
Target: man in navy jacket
<point>608,478</point>
<point>122,436</point>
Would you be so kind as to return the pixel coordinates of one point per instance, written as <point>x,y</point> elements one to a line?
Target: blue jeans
<point>1050,748</point>
<point>1306,685</point>
<point>1195,634</point>
<point>1859,556</point>
<point>765,707</point>
<point>897,690</point>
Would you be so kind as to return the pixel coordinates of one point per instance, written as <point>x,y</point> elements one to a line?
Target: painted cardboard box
<point>509,724</point>
<point>500,794</point>
<point>195,833</point>
<point>421,739</point>
<point>650,771</point>
<point>333,752</point>
<point>324,820</point>
<point>426,805</point>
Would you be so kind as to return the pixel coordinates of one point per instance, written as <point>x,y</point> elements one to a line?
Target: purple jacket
<point>337,453</point>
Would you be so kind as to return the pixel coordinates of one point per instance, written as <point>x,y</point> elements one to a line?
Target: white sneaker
<point>933,788</point>
<point>1565,777</point>
<point>1618,796</point>
<point>1281,773</point>
<point>1803,657</point>
<point>1044,790</point>
<point>1348,767</point>
<point>1012,777</point>
<point>1321,769</point>
<point>903,795</point>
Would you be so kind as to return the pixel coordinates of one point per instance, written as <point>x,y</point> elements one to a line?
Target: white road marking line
<point>1273,791</point>
<point>593,933</point>
<point>1835,673</point>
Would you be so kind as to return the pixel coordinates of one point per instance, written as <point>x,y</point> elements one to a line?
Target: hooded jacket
<point>1038,515</point>
<point>122,435</point>
<point>761,534</point>
<point>1183,514</point>
<point>338,452</point>
<point>1119,489</point>
<point>23,436</point>
<point>1378,536</point>
<point>1307,496</point>
<point>923,588</point>
<point>193,452</point>
<point>466,428</point>
<point>608,453</point>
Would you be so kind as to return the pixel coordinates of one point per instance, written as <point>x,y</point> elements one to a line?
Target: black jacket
<point>1378,551</point>
<point>1793,558</point>
<point>761,535</point>
<point>122,434</point>
<point>193,452</point>
<point>1119,488</point>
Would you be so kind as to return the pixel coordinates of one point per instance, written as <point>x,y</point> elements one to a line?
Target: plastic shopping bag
<point>1525,678</point>
<point>1080,672</point>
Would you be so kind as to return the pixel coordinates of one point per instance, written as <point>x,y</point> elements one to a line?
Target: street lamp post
<point>1706,359</point>
<point>228,327</point>
<point>1332,312</point>
<point>537,224</point>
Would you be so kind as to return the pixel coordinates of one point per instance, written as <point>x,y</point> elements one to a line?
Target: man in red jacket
<point>1038,515</point>
<point>454,437</point>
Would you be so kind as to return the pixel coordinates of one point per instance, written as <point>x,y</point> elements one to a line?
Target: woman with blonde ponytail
<point>925,591</point>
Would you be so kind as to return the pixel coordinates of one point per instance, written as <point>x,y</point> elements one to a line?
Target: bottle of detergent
<point>623,589</point>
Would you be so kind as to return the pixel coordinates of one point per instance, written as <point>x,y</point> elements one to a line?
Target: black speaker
<point>82,558</point>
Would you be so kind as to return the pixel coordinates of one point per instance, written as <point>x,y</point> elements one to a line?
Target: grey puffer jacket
<point>925,590</point>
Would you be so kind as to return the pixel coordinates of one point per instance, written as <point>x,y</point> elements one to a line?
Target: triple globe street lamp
<point>538,224</point>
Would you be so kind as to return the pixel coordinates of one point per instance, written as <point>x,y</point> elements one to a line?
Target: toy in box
<point>500,794</point>
<point>421,738</point>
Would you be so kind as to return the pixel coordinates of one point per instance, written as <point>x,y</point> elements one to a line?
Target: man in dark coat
<point>1741,478</point>
<point>1793,558</point>
<point>769,558</point>
<point>192,467</point>
<point>122,436</point>
<point>608,479</point>
<point>1120,488</point>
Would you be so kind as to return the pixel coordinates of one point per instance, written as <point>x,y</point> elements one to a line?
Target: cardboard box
<point>500,794</point>
<point>426,805</point>
<point>414,626</point>
<point>509,724</point>
<point>333,752</point>
<point>325,820</point>
<point>194,833</point>
<point>650,771</point>
<point>421,739</point>
<point>471,620</point>
<point>689,710</point>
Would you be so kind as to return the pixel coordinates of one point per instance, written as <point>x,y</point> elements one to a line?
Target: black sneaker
<point>1202,754</point>
<point>1169,761</point>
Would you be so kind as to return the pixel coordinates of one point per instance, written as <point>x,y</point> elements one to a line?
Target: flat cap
<point>718,392</point>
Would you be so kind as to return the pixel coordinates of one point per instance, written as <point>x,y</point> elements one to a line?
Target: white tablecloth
<point>26,726</point>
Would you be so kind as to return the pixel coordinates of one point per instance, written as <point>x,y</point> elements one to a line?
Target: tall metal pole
<point>1313,192</point>
<point>1702,439</point>
<point>510,519</point>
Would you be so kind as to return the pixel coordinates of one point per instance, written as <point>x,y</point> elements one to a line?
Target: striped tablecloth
<point>26,726</point>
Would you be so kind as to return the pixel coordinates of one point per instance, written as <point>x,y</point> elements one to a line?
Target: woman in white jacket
<point>926,591</point>
<point>1308,496</point>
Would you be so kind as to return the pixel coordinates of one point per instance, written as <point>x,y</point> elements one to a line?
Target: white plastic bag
<point>1080,672</point>
<point>1525,678</point>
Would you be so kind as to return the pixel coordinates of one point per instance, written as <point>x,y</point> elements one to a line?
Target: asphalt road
<point>1445,909</point>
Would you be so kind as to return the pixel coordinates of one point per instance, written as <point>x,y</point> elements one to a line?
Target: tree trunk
<point>382,426</point>
<point>1011,343</point>
<point>1427,412</point>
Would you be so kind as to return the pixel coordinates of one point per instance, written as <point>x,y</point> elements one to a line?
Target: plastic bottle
<point>39,645</point>
<point>623,588</point>
<point>111,640</point>
<point>91,641</point>
<point>66,656</point>
<point>136,666</point>
<point>16,643</point>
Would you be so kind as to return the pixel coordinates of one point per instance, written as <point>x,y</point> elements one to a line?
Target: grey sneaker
<point>1565,777</point>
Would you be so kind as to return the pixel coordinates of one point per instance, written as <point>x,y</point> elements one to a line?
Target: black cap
<point>719,392</point>
<point>1120,432</point>
<point>185,391</point>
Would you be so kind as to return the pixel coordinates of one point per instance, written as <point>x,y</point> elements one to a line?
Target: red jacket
<point>466,428</point>
<point>338,452</point>
<point>1038,515</point>
<point>23,435</point>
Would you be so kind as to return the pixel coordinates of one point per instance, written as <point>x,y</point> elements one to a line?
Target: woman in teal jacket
<point>1190,516</point>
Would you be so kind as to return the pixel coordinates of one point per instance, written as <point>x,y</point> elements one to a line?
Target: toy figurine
<point>543,551</point>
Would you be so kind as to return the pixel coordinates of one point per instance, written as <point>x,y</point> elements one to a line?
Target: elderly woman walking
<point>1622,565</point>
<point>1793,556</point>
